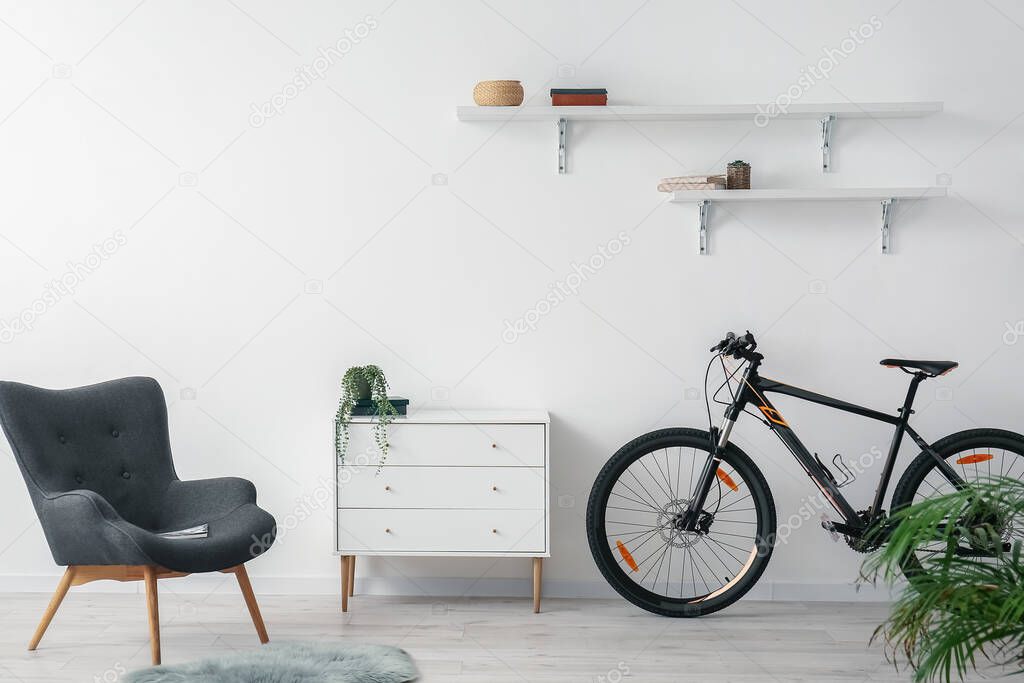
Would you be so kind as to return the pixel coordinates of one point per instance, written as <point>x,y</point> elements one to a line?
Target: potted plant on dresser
<point>366,387</point>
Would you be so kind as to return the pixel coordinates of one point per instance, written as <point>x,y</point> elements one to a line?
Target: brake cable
<point>727,383</point>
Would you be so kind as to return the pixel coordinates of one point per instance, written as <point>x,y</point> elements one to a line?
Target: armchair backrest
<point>110,438</point>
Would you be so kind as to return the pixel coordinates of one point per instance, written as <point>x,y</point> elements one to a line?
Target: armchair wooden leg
<point>250,602</point>
<point>149,575</point>
<point>351,575</point>
<point>51,609</point>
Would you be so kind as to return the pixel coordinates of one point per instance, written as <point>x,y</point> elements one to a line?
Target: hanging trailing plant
<point>363,382</point>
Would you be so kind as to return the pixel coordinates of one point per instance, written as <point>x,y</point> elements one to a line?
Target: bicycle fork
<point>719,440</point>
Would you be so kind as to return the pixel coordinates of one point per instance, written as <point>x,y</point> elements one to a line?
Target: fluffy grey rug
<point>291,663</point>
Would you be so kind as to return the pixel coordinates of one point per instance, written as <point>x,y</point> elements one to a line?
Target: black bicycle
<point>681,522</point>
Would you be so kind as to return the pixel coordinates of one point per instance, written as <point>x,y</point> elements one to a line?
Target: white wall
<point>104,110</point>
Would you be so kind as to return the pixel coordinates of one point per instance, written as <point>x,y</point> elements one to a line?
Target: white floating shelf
<point>886,195</point>
<point>700,112</point>
<point>812,194</point>
<point>825,112</point>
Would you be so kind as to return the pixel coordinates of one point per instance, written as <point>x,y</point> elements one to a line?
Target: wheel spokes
<point>643,523</point>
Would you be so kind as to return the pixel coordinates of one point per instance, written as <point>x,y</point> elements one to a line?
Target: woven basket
<point>737,178</point>
<point>498,93</point>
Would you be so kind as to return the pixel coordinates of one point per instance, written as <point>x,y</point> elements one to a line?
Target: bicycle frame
<point>754,389</point>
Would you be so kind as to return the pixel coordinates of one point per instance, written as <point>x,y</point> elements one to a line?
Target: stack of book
<point>579,97</point>
<point>692,182</point>
<point>367,406</point>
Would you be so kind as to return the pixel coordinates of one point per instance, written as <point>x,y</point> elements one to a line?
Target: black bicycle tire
<point>601,551</point>
<point>924,463</point>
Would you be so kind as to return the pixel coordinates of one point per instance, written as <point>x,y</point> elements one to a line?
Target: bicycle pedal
<point>830,526</point>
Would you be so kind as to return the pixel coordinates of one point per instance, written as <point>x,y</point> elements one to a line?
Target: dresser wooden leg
<point>537,564</point>
<point>351,575</point>
<point>344,583</point>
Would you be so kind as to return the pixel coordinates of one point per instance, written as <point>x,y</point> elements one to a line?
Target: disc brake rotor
<point>670,525</point>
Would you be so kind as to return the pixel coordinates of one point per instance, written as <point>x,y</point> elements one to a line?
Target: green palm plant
<point>363,381</point>
<point>959,610</point>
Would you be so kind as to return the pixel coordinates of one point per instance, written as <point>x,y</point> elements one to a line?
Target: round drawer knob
<point>494,531</point>
<point>387,488</point>
<point>494,445</point>
<point>494,488</point>
<point>387,531</point>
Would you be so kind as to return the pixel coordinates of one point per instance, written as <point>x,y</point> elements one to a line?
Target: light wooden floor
<point>96,637</point>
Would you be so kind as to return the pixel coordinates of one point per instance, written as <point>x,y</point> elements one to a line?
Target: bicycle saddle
<point>932,368</point>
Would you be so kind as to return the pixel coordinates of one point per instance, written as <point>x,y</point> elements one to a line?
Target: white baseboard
<point>442,587</point>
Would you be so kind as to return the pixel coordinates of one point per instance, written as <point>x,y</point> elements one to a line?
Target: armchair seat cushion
<point>234,538</point>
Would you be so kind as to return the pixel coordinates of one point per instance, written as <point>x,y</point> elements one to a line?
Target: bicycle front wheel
<point>635,535</point>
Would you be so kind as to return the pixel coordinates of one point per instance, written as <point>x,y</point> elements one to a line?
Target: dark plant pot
<point>362,388</point>
<point>737,178</point>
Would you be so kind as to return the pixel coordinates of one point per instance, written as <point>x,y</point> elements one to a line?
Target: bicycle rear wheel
<point>976,455</point>
<point>637,541</point>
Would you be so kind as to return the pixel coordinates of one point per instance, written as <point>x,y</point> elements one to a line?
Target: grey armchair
<point>97,463</point>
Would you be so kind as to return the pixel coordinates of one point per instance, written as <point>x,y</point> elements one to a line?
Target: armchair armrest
<point>81,527</point>
<point>187,503</point>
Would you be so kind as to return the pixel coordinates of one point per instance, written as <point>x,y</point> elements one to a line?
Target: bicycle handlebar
<point>737,347</point>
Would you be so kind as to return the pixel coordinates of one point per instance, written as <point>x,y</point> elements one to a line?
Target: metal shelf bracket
<point>563,126</point>
<point>826,142</point>
<point>702,213</point>
<point>887,205</point>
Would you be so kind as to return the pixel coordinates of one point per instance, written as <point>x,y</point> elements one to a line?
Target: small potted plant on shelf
<point>738,175</point>
<point>364,383</point>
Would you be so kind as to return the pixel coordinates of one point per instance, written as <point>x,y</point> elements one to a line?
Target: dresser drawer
<point>492,445</point>
<point>442,487</point>
<point>441,531</point>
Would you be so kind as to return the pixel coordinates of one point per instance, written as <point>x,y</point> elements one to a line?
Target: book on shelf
<point>579,97</point>
<point>694,186</point>
<point>394,400</point>
<point>367,407</point>
<point>712,178</point>
<point>692,182</point>
<point>579,91</point>
<point>579,100</point>
<point>672,187</point>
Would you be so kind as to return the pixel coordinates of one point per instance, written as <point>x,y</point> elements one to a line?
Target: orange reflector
<point>974,459</point>
<point>726,479</point>
<point>627,556</point>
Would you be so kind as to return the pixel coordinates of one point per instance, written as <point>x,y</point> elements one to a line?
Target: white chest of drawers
<point>455,483</point>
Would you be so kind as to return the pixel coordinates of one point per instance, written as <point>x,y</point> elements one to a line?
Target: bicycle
<point>689,552</point>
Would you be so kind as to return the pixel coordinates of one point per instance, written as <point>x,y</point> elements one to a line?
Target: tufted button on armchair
<point>97,463</point>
